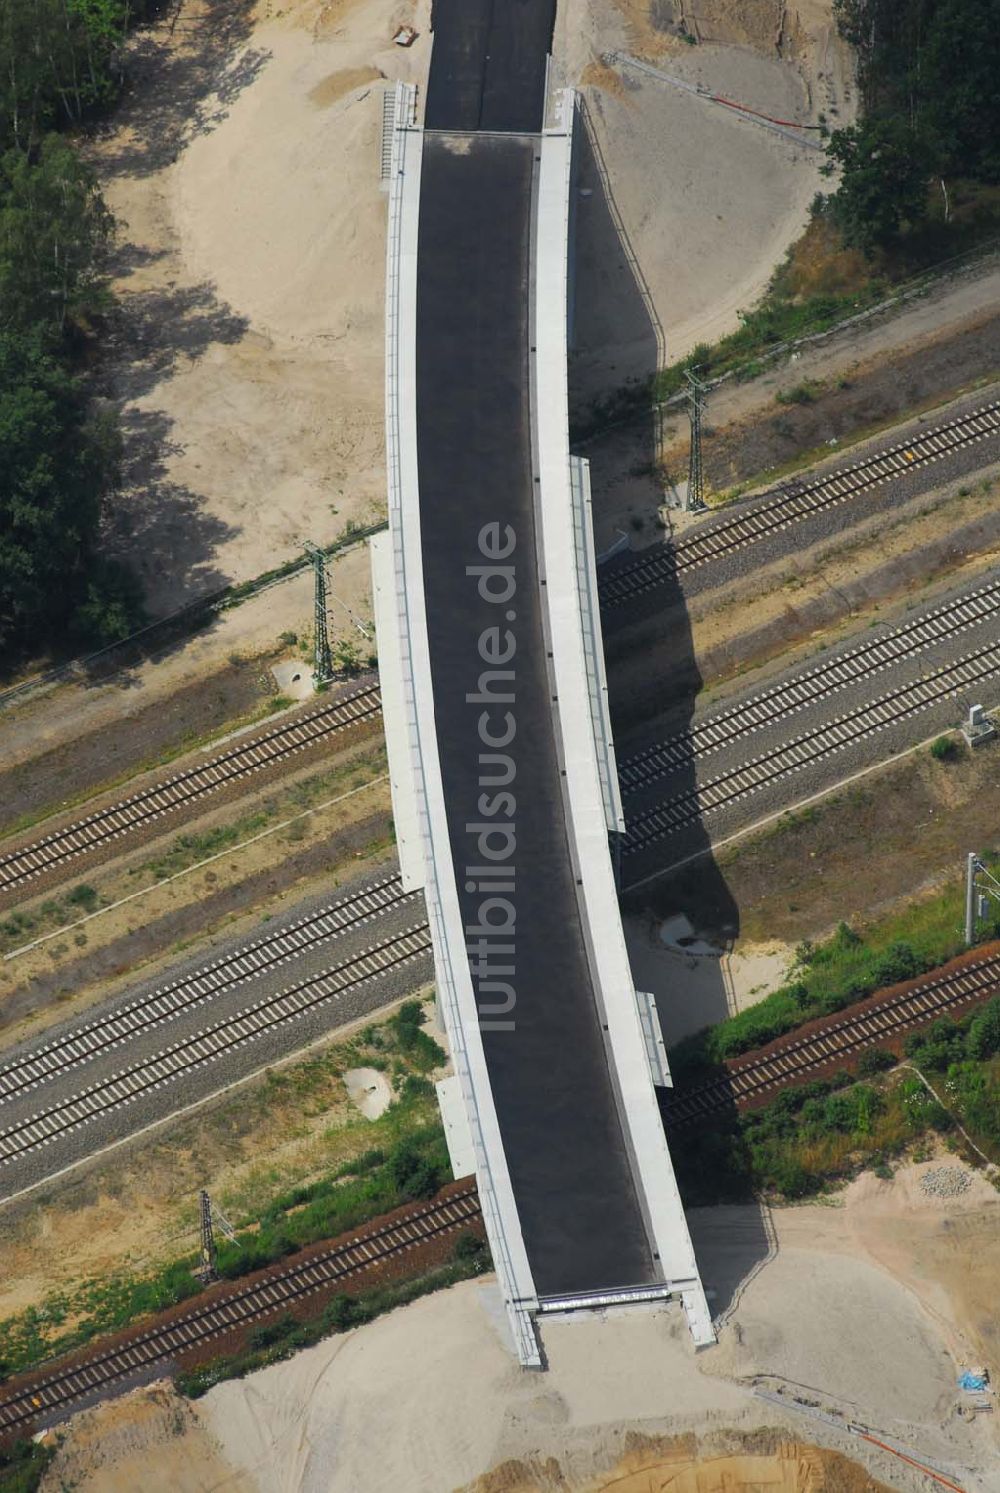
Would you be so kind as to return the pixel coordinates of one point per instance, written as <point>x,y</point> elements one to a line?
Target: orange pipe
<point>720,98</point>
<point>904,1458</point>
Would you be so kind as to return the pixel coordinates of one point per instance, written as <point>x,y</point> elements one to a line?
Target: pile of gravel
<point>945,1181</point>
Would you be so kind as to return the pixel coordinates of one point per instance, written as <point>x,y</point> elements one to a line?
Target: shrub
<point>935,1046</point>
<point>983,1037</point>
<point>407,1027</point>
<point>22,1465</point>
<point>270,1333</point>
<point>804,393</point>
<point>792,1179</point>
<point>83,896</point>
<point>936,1116</point>
<point>414,1174</point>
<point>339,1314</point>
<point>472,1251</point>
<point>874,1060</point>
<point>944,749</point>
<point>899,962</point>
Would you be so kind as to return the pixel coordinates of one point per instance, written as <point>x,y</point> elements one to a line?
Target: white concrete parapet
<point>585,809</point>
<point>417,727</point>
<point>593,643</point>
<point>399,747</point>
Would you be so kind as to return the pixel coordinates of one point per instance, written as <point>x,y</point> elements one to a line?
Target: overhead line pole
<point>323,659</point>
<point>694,501</point>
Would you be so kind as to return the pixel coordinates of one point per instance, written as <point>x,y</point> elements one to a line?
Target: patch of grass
<point>407,1028</point>
<point>188,849</point>
<point>416,1167</point>
<point>21,926</point>
<point>84,897</point>
<point>22,1466</point>
<point>778,319</point>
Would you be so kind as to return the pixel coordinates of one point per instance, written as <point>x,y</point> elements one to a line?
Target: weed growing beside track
<point>828,1130</point>
<point>831,975</point>
<point>22,1466</point>
<point>277,1340</point>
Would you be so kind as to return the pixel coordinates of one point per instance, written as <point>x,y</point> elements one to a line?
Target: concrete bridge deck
<point>498,733</point>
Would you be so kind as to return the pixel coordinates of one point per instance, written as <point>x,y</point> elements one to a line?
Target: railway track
<point>694,804</point>
<point>726,535</point>
<point>235,1308</point>
<point>137,1017</point>
<point>786,1062</point>
<point>211,1043</point>
<point>812,685</point>
<point>241,760</point>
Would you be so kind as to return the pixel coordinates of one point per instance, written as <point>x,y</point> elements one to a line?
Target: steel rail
<point>779,1066</point>
<point>250,1301</point>
<point>693,804</point>
<point>137,1017</point>
<point>208,1045</point>
<point>54,850</point>
<point>801,690</point>
<point>763,517</point>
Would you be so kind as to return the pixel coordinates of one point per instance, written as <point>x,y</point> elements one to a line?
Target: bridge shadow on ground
<point>679,926</point>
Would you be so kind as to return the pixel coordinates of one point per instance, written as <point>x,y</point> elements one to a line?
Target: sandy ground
<point>111,1449</point>
<point>805,1301</point>
<point>706,202</point>
<point>864,1307</point>
<point>370,1091</point>
<point>244,172</point>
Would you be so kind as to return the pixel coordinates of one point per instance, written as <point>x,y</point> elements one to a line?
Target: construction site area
<point>471,506</point>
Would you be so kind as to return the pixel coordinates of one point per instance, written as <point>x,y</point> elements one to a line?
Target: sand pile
<point>787,1467</point>
<point>150,1440</point>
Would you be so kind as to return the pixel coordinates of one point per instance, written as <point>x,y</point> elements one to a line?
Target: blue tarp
<point>972,1381</point>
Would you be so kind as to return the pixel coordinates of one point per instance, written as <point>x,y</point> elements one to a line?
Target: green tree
<point>54,235</point>
<point>55,467</point>
<point>983,1039</point>
<point>958,79</point>
<point>59,59</point>
<point>883,188</point>
<point>413,1173</point>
